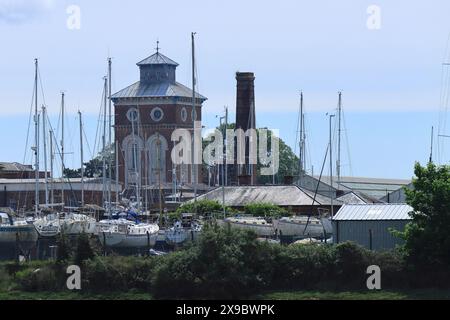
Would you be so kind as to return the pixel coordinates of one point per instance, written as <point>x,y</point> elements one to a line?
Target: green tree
<point>63,252</point>
<point>427,236</point>
<point>288,161</point>
<point>265,210</point>
<point>83,250</point>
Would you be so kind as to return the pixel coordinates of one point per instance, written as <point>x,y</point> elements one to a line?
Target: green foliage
<point>265,210</point>
<point>83,249</point>
<point>427,237</point>
<point>202,207</point>
<point>64,250</point>
<point>288,162</point>
<point>49,277</point>
<point>116,273</point>
<point>222,265</point>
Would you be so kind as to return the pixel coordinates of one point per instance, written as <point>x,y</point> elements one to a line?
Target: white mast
<point>52,193</point>
<point>109,135</point>
<point>194,171</point>
<point>81,159</point>
<point>36,137</point>
<point>62,149</point>
<point>331,168</point>
<point>117,172</point>
<point>105,91</point>
<point>44,135</point>
<point>338,161</point>
<point>301,144</point>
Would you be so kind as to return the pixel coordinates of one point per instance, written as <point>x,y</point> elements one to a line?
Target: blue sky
<point>391,78</point>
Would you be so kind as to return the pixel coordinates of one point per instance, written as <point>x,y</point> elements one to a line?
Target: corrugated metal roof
<point>157,58</point>
<point>239,196</point>
<point>165,89</point>
<point>373,212</point>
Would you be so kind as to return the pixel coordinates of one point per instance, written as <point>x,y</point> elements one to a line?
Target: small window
<point>184,114</point>
<point>133,115</point>
<point>157,114</point>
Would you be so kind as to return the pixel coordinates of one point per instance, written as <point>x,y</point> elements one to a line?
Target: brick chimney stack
<point>245,119</point>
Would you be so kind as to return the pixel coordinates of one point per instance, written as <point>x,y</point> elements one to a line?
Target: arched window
<point>157,148</point>
<point>132,147</point>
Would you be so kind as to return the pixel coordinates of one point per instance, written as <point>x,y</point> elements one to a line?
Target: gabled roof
<point>289,195</point>
<point>165,89</point>
<point>373,212</point>
<point>15,166</point>
<point>157,58</point>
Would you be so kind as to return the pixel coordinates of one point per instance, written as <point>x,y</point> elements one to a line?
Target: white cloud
<point>23,11</point>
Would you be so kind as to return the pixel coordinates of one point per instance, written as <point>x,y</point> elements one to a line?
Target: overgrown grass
<point>68,295</point>
<point>425,294</point>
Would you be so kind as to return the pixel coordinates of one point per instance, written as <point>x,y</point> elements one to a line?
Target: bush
<point>83,249</point>
<point>203,207</point>
<point>265,210</point>
<point>51,277</point>
<point>117,273</point>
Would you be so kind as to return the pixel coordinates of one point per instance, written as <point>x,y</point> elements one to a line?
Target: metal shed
<point>369,224</point>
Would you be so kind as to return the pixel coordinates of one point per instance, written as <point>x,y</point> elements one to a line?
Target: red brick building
<point>146,114</point>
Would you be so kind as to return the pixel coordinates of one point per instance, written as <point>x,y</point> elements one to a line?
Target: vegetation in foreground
<point>233,264</point>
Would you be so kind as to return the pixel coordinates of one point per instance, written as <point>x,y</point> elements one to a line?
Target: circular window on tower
<point>184,114</point>
<point>194,115</point>
<point>132,114</point>
<point>157,114</point>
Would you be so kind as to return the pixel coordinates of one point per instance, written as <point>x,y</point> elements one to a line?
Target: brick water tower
<point>146,114</point>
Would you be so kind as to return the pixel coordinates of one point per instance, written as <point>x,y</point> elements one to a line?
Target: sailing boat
<point>53,223</point>
<point>14,231</point>
<point>122,232</point>
<point>304,225</point>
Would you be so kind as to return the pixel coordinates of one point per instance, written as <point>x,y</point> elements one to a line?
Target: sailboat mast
<point>194,180</point>
<point>44,137</point>
<point>300,156</point>
<point>105,94</point>
<point>338,161</point>
<point>36,136</point>
<point>117,172</point>
<point>62,149</point>
<point>109,134</point>
<point>52,193</point>
<point>431,149</point>
<point>81,159</point>
<point>331,168</point>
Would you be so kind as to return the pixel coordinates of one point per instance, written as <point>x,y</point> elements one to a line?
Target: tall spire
<point>157,46</point>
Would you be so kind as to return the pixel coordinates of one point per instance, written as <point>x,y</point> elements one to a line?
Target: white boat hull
<point>314,228</point>
<point>121,240</point>
<point>261,230</point>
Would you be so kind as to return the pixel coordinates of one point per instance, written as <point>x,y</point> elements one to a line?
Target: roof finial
<point>157,46</point>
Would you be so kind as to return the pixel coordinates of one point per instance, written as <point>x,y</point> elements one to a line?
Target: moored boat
<point>259,225</point>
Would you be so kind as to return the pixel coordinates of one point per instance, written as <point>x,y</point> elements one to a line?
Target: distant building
<point>146,114</point>
<point>290,197</point>
<point>18,194</point>
<point>15,170</point>
<point>370,188</point>
<point>369,224</point>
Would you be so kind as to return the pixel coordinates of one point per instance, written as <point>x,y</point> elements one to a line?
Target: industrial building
<point>290,197</point>
<point>370,225</point>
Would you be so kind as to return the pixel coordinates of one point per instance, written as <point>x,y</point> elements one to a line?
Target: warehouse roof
<point>288,195</point>
<point>373,212</point>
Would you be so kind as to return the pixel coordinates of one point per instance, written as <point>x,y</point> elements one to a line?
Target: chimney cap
<point>245,75</point>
